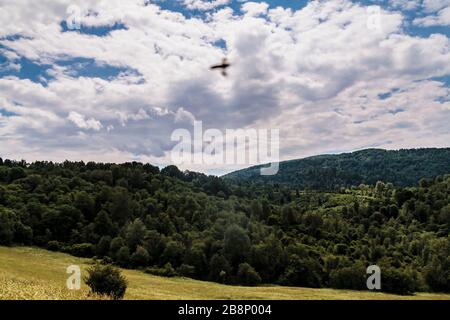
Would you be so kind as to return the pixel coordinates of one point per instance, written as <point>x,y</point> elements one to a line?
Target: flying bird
<point>224,66</point>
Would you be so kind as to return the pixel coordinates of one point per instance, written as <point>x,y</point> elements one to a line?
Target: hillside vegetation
<point>171,223</point>
<point>402,168</point>
<point>32,273</point>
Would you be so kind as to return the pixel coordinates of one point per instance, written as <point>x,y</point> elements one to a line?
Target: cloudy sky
<point>110,80</point>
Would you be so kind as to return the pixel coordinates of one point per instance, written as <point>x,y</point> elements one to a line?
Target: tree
<point>115,246</point>
<point>103,246</point>
<point>123,256</point>
<point>437,270</point>
<point>403,195</point>
<point>172,171</point>
<point>304,272</point>
<point>16,173</point>
<point>247,275</point>
<point>353,277</point>
<point>173,253</point>
<point>219,268</point>
<point>196,257</point>
<point>85,204</point>
<point>397,281</point>
<point>236,244</point>
<point>6,227</point>
<point>103,224</point>
<point>135,233</point>
<point>140,257</point>
<point>288,216</point>
<point>106,280</point>
<point>268,258</point>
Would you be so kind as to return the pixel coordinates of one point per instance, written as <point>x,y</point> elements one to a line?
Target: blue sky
<point>117,87</point>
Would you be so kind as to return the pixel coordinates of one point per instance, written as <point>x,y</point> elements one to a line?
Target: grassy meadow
<point>32,273</point>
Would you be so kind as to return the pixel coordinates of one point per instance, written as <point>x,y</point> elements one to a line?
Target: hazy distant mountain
<point>403,168</point>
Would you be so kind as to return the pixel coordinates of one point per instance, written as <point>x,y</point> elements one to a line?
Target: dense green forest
<point>169,222</point>
<point>327,172</point>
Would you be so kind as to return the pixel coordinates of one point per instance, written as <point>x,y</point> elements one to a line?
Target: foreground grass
<point>31,273</point>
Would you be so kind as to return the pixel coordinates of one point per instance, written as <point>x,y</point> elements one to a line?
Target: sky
<point>110,80</point>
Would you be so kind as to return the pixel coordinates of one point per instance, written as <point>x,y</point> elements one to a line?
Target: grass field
<point>31,273</point>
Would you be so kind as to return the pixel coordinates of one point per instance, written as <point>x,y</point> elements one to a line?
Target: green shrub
<point>106,280</point>
<point>247,275</point>
<point>54,245</point>
<point>84,250</point>
<point>348,278</point>
<point>397,281</point>
<point>186,270</point>
<point>166,271</point>
<point>302,272</point>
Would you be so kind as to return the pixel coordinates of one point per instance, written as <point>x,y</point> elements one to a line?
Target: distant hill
<point>403,168</point>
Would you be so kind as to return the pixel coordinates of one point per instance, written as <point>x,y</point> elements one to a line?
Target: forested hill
<point>167,222</point>
<point>402,168</point>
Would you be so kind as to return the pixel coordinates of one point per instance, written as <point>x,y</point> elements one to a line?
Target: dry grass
<point>20,289</point>
<point>31,273</point>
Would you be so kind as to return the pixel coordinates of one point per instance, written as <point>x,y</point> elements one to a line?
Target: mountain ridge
<point>403,167</point>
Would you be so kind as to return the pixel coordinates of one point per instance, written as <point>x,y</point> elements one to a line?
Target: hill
<point>47,276</point>
<point>402,168</point>
<point>169,222</point>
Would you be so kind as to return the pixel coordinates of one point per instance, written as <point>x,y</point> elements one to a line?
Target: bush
<point>186,270</point>
<point>219,268</point>
<point>397,281</point>
<point>6,227</point>
<point>54,245</point>
<point>353,278</point>
<point>302,272</point>
<point>166,271</point>
<point>23,234</point>
<point>106,260</point>
<point>437,275</point>
<point>84,250</point>
<point>247,275</point>
<point>106,280</point>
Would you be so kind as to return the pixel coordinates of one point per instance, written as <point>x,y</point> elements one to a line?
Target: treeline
<point>174,223</point>
<point>403,168</point>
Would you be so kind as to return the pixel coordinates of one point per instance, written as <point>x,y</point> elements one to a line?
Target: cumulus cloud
<point>204,5</point>
<point>441,18</point>
<point>405,4</point>
<point>81,122</point>
<point>320,74</point>
<point>435,5</point>
<point>255,8</point>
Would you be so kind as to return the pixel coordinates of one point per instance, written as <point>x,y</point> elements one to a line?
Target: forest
<point>403,168</point>
<point>172,223</point>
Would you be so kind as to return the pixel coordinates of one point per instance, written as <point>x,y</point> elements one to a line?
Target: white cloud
<point>315,73</point>
<point>435,5</point>
<point>184,116</point>
<point>204,5</point>
<point>441,18</point>
<point>405,4</point>
<point>81,122</point>
<point>255,8</point>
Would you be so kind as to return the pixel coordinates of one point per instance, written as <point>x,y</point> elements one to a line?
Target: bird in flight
<point>224,66</point>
